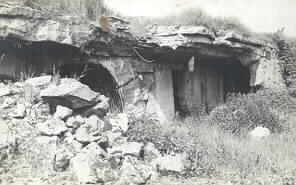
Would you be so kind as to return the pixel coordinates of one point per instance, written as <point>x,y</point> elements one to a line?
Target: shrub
<point>243,112</point>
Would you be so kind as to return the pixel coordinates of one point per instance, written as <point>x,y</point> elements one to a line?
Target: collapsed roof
<point>33,25</point>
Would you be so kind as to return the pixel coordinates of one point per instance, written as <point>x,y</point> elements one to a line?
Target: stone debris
<point>19,112</point>
<point>54,127</point>
<point>85,163</point>
<point>120,121</point>
<point>62,159</point>
<point>39,82</point>
<point>92,146</point>
<point>62,112</point>
<point>129,148</point>
<point>4,91</point>
<point>70,93</point>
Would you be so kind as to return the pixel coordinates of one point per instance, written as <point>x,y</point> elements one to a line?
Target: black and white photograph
<point>147,92</point>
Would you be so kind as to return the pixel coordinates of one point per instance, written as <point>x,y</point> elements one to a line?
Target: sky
<point>258,15</point>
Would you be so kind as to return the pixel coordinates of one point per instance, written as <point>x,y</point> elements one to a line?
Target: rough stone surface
<point>19,112</point>
<point>62,159</point>
<point>39,82</point>
<point>135,172</point>
<point>129,148</point>
<point>62,112</point>
<point>92,129</point>
<point>4,91</point>
<point>121,121</point>
<point>70,93</point>
<point>52,127</point>
<point>75,121</point>
<point>4,133</point>
<point>84,164</point>
<point>150,152</point>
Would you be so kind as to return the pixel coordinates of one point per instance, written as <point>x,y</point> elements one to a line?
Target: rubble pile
<point>55,127</point>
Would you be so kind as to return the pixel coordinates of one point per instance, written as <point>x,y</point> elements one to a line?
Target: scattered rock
<point>4,91</point>
<point>105,174</point>
<point>53,127</point>
<point>100,109</point>
<point>84,164</point>
<point>62,159</point>
<point>150,152</point>
<point>172,163</point>
<point>120,121</point>
<point>92,129</point>
<point>129,148</point>
<point>75,122</point>
<point>135,172</point>
<point>114,138</point>
<point>259,132</point>
<point>62,112</point>
<point>19,112</point>
<point>70,93</point>
<point>8,103</point>
<point>39,82</point>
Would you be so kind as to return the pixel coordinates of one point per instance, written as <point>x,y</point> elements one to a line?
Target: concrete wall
<point>267,72</point>
<point>203,87</point>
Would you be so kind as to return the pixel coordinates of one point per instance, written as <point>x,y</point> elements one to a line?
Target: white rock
<point>259,132</point>
<point>75,122</point>
<point>71,91</point>
<point>52,127</point>
<point>4,133</point>
<point>135,172</point>
<point>4,91</point>
<point>129,148</point>
<point>19,112</point>
<point>85,163</point>
<point>169,162</point>
<point>150,152</point>
<point>39,82</point>
<point>121,121</point>
<point>62,159</point>
<point>8,102</point>
<point>62,112</point>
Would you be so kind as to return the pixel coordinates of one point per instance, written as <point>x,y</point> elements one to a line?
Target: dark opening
<point>236,78</point>
<point>98,78</point>
<point>177,75</point>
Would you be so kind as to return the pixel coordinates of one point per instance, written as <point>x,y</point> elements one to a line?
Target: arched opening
<point>98,78</point>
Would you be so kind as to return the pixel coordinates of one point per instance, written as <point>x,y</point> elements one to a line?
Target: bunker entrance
<point>98,78</point>
<point>236,78</point>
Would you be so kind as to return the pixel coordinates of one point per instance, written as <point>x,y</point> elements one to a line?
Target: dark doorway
<point>236,78</point>
<point>98,78</point>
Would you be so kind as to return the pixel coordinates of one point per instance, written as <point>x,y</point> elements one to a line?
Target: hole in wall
<point>236,78</point>
<point>98,78</point>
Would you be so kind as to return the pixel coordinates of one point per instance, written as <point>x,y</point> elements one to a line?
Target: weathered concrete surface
<point>161,100</point>
<point>202,87</point>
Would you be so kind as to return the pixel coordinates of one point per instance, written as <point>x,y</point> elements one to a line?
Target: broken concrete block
<point>70,93</point>
<point>62,112</point>
<point>19,112</point>
<point>53,127</point>
<point>39,82</point>
<point>85,163</point>
<point>129,148</point>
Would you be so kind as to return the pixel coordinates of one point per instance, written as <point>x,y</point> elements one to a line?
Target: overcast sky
<point>258,15</point>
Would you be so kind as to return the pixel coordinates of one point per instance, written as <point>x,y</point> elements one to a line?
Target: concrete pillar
<point>161,101</point>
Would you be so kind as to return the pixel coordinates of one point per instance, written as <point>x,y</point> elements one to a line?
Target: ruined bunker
<point>169,69</point>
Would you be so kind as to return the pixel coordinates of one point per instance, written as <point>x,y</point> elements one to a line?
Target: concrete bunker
<point>187,84</point>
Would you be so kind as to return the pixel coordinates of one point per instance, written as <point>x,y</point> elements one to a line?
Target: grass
<point>215,152</point>
<point>194,17</point>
